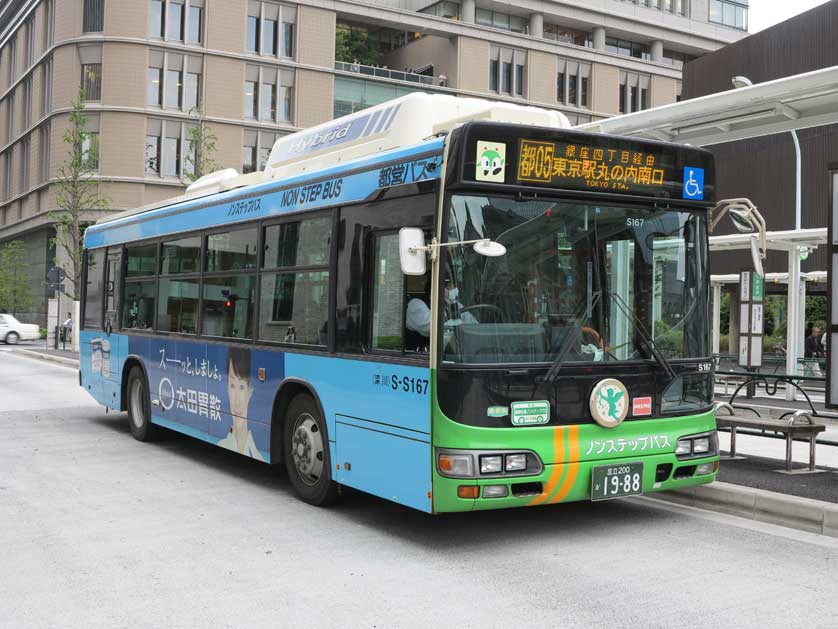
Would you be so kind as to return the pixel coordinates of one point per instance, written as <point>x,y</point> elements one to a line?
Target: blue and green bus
<point>448,303</point>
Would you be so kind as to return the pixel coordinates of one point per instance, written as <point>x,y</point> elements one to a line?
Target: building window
<point>49,24</point>
<point>7,176</point>
<point>256,149</point>
<point>446,9</point>
<point>91,71</point>
<point>26,86</point>
<point>94,16</point>
<point>504,76</point>
<point>46,87</point>
<point>44,151</point>
<point>174,20</point>
<point>90,144</point>
<point>194,22</point>
<point>634,92</point>
<point>156,22</point>
<point>12,56</point>
<point>505,21</point>
<point>169,151</point>
<point>573,83</point>
<point>29,35</point>
<point>676,59</point>
<point>733,14</point>
<point>270,29</point>
<point>678,7</point>
<point>353,95</point>
<point>24,165</point>
<point>174,81</point>
<point>177,20</point>
<point>679,89</point>
<point>10,117</point>
<point>269,94</point>
<point>627,48</point>
<point>567,35</point>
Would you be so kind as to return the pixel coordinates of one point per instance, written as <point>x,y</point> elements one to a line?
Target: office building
<point>254,70</point>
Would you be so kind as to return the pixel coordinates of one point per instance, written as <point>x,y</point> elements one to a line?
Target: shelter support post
<point>717,317</point>
<point>793,325</point>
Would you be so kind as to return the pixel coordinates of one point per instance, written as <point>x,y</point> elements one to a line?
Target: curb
<point>805,514</point>
<point>50,358</point>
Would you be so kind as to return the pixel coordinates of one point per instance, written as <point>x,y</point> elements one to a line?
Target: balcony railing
<point>387,73</point>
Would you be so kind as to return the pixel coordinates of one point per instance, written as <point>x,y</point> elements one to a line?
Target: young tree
<point>202,146</point>
<point>78,196</point>
<point>15,290</point>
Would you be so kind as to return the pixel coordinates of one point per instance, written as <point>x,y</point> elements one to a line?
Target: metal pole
<point>793,324</point>
<point>798,189</point>
<point>717,317</point>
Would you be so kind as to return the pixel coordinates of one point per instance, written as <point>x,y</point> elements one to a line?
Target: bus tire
<point>306,452</point>
<point>139,406</point>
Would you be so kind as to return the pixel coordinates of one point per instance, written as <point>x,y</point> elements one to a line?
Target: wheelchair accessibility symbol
<point>693,183</point>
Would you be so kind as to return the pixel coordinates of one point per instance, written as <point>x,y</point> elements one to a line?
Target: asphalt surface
<point>100,530</point>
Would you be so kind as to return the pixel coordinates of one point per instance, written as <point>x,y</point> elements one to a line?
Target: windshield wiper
<point>567,343</point>
<point>647,339</point>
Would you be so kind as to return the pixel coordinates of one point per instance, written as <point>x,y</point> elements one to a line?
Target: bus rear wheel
<point>306,452</point>
<point>139,406</point>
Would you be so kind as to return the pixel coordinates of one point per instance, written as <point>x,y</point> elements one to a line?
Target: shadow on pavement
<point>475,530</point>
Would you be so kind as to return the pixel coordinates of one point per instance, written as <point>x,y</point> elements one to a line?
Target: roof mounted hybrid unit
<point>400,122</point>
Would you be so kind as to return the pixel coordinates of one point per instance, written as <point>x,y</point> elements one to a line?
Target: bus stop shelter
<point>793,243</point>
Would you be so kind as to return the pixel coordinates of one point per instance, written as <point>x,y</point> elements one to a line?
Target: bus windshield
<point>580,282</point>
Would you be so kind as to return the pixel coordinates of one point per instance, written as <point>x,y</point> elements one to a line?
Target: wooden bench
<point>799,424</point>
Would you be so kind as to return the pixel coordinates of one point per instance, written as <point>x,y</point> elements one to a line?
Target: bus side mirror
<point>412,251</point>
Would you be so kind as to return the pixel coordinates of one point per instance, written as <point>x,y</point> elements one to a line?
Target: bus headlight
<point>487,463</point>
<point>459,465</point>
<point>701,445</point>
<point>694,446</point>
<point>491,464</point>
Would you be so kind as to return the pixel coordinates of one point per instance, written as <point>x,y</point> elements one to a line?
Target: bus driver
<point>418,316</point>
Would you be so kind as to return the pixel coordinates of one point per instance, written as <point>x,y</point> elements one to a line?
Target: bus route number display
<point>580,166</point>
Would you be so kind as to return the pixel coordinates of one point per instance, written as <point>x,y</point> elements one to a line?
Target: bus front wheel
<point>306,450</point>
<point>139,406</point>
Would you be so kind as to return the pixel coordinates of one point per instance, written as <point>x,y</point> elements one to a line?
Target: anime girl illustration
<point>239,392</point>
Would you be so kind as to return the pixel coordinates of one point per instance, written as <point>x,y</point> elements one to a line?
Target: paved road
<point>97,529</point>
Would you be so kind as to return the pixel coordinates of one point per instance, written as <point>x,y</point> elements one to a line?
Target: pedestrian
<point>812,345</point>
<point>67,327</point>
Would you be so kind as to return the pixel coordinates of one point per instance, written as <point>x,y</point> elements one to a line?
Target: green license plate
<point>613,481</point>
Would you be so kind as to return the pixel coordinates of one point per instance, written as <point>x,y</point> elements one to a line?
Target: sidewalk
<point>63,357</point>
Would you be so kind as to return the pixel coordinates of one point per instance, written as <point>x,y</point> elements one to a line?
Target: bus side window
<point>388,288</point>
<point>94,290</point>
<point>401,313</point>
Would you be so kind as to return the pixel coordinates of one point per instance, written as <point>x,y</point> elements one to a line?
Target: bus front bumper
<point>566,482</point>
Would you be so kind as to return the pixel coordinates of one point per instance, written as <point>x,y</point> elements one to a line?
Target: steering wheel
<point>597,336</point>
<point>499,318</point>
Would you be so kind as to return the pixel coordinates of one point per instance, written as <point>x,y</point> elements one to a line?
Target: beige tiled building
<point>261,68</point>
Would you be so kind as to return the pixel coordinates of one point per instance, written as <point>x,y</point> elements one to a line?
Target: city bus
<point>449,303</point>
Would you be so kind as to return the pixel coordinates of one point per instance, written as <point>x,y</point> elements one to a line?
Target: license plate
<point>613,481</point>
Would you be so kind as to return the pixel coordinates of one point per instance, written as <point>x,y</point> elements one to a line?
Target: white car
<point>12,330</point>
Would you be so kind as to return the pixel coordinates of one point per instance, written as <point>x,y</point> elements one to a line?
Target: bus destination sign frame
<point>580,165</point>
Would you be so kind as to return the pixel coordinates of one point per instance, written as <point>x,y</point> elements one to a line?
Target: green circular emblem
<point>609,402</point>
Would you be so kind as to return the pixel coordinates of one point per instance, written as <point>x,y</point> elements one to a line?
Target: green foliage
<point>15,290</point>
<point>77,196</point>
<point>355,45</point>
<point>202,146</point>
<point>724,309</point>
<point>816,310</point>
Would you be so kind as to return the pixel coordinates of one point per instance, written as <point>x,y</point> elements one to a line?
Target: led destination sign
<point>500,155</point>
<point>576,165</point>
